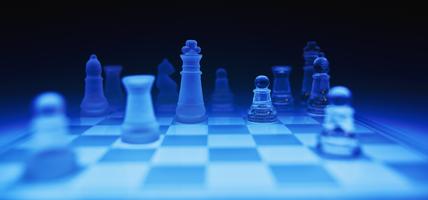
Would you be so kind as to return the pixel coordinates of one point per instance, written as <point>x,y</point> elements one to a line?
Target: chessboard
<point>223,158</point>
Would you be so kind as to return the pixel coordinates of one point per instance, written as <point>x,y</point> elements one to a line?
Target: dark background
<point>379,51</point>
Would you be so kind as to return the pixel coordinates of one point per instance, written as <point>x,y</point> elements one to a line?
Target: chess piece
<point>310,53</point>
<point>222,97</point>
<point>338,137</point>
<point>51,158</point>
<point>320,86</point>
<point>113,87</point>
<point>261,109</point>
<point>282,98</point>
<point>167,97</point>
<point>94,103</point>
<point>190,106</point>
<point>140,125</point>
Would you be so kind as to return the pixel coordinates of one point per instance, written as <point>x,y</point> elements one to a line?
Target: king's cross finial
<point>191,47</point>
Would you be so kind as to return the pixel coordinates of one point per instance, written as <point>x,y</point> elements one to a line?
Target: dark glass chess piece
<point>310,53</point>
<point>262,109</point>
<point>320,87</point>
<point>282,98</point>
<point>222,97</point>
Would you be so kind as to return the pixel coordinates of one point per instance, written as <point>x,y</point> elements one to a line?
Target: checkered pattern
<point>223,157</point>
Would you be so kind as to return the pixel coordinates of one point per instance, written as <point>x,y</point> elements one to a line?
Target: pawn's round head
<point>262,82</point>
<point>221,73</point>
<point>339,95</point>
<point>321,65</point>
<point>48,104</point>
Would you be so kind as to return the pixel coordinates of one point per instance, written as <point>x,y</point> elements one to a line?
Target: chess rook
<point>310,52</point>
<point>338,137</point>
<point>113,87</point>
<point>282,98</point>
<point>167,97</point>
<point>222,97</point>
<point>320,86</point>
<point>261,109</point>
<point>190,106</point>
<point>140,125</point>
<point>94,103</point>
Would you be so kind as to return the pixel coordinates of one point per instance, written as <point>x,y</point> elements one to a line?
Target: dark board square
<point>163,129</point>
<point>112,121</point>
<point>234,154</point>
<point>184,140</point>
<point>128,155</point>
<point>94,140</point>
<point>78,129</point>
<point>276,140</point>
<point>176,176</point>
<point>416,172</point>
<point>301,174</point>
<point>228,129</point>
<point>15,155</point>
<point>373,139</point>
<point>304,128</point>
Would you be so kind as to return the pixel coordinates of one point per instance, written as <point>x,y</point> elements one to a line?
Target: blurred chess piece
<point>167,97</point>
<point>261,109</point>
<point>52,158</point>
<point>320,87</point>
<point>338,137</point>
<point>113,87</point>
<point>281,91</point>
<point>310,52</point>
<point>222,97</point>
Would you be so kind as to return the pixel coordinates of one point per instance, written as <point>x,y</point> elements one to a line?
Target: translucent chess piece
<point>140,125</point>
<point>113,87</point>
<point>320,86</point>
<point>167,97</point>
<point>222,97</point>
<point>310,53</point>
<point>261,109</point>
<point>338,137</point>
<point>281,91</point>
<point>52,157</point>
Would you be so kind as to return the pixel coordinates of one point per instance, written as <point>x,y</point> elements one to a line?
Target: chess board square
<point>288,155</point>
<point>78,129</point>
<point>89,155</point>
<point>103,130</point>
<point>163,129</point>
<point>392,153</point>
<point>181,156</point>
<point>362,129</point>
<point>184,140</point>
<point>232,141</point>
<point>94,140</point>
<point>112,121</point>
<point>10,172</point>
<point>165,121</point>
<point>188,129</point>
<point>366,174</point>
<point>226,121</point>
<point>302,174</point>
<point>235,175</point>
<point>304,128</point>
<point>233,154</point>
<point>268,128</point>
<point>128,155</point>
<point>276,140</point>
<point>15,155</point>
<point>87,121</point>
<point>373,139</point>
<point>119,144</point>
<point>227,129</point>
<point>291,119</point>
<point>175,176</point>
<point>415,172</point>
<point>308,139</point>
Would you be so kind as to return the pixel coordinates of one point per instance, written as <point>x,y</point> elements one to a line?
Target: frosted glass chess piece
<point>310,52</point>
<point>140,125</point>
<point>320,86</point>
<point>261,109</point>
<point>338,137</point>
<point>52,158</point>
<point>222,97</point>
<point>113,87</point>
<point>190,106</point>
<point>168,96</point>
<point>94,103</point>
<point>281,91</point>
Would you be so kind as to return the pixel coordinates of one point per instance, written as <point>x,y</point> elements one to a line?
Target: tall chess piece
<point>52,158</point>
<point>310,53</point>
<point>190,106</point>
<point>261,109</point>
<point>113,87</point>
<point>222,97</point>
<point>281,91</point>
<point>320,86</point>
<point>94,103</point>
<point>338,137</point>
<point>140,125</point>
<point>167,97</point>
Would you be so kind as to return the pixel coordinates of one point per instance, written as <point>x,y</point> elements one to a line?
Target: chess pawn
<point>190,105</point>
<point>94,103</point>
<point>310,53</point>
<point>167,97</point>
<point>222,97</point>
<point>338,137</point>
<point>320,86</point>
<point>281,91</point>
<point>261,109</point>
<point>113,87</point>
<point>140,125</point>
